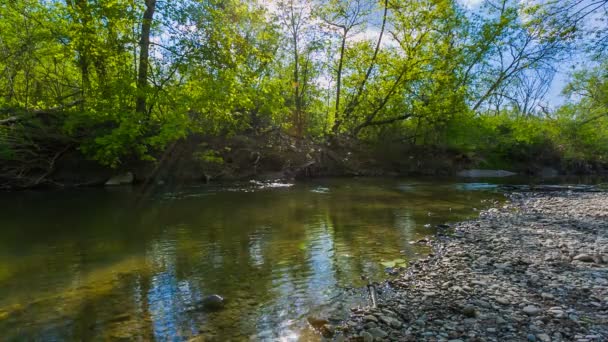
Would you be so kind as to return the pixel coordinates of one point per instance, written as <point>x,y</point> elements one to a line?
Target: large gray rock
<point>477,173</point>
<point>123,179</point>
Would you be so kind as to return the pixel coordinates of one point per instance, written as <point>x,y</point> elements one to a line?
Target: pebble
<point>584,258</point>
<point>531,310</point>
<point>469,311</point>
<point>505,276</point>
<point>378,333</point>
<point>370,318</point>
<point>503,301</point>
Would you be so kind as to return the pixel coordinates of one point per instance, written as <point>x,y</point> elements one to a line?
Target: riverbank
<point>274,156</point>
<point>534,270</point>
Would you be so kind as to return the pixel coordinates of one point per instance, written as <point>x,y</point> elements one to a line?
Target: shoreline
<point>535,269</point>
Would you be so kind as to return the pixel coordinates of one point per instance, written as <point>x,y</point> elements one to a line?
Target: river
<point>124,263</point>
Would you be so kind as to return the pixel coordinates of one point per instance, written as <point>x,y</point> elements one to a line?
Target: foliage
<point>416,71</point>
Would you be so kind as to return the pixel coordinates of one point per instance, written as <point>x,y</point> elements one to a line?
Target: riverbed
<point>134,263</point>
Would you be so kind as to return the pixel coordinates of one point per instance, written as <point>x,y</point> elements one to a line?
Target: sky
<point>554,96</point>
<point>564,69</point>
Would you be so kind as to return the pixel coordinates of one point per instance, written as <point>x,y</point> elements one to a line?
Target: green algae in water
<point>394,263</point>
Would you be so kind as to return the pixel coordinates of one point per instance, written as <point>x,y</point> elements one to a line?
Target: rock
<point>367,337</point>
<point>378,333</point>
<point>557,313</point>
<point>544,337</point>
<point>370,325</point>
<point>546,295</point>
<point>469,311</point>
<point>503,301</point>
<point>370,318</point>
<point>212,303</point>
<point>584,258</point>
<point>476,173</point>
<point>328,330</point>
<point>508,275</point>
<point>531,310</point>
<point>316,323</point>
<point>392,322</point>
<point>502,266</point>
<point>123,179</point>
<point>456,288</point>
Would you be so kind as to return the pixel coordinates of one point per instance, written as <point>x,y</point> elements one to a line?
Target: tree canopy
<point>123,79</point>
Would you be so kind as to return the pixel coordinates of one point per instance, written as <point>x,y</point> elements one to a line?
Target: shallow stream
<point>124,263</point>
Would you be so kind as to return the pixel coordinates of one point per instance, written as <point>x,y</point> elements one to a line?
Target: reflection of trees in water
<point>140,269</point>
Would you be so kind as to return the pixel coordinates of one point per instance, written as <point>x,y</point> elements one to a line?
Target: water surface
<point>124,263</point>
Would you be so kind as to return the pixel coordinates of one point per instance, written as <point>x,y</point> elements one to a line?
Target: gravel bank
<point>534,270</point>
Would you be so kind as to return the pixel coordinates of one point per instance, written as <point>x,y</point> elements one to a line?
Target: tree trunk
<point>350,107</point>
<point>337,120</point>
<point>144,47</point>
<point>296,84</point>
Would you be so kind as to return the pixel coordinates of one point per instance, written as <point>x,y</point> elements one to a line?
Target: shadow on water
<point>107,264</point>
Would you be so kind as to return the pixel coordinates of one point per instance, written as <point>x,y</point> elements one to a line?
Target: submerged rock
<point>213,303</point>
<point>316,322</point>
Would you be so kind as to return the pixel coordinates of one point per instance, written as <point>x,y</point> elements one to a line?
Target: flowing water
<point>123,263</point>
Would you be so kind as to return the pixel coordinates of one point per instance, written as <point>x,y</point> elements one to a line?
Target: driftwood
<point>32,148</point>
<point>373,295</point>
<point>9,120</point>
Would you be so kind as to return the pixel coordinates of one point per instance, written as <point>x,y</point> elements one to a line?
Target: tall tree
<point>295,16</point>
<point>144,52</point>
<point>345,17</point>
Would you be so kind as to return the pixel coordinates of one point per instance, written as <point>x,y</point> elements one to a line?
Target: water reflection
<point>110,265</point>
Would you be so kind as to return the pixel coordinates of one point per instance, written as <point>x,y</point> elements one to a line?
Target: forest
<point>222,89</point>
